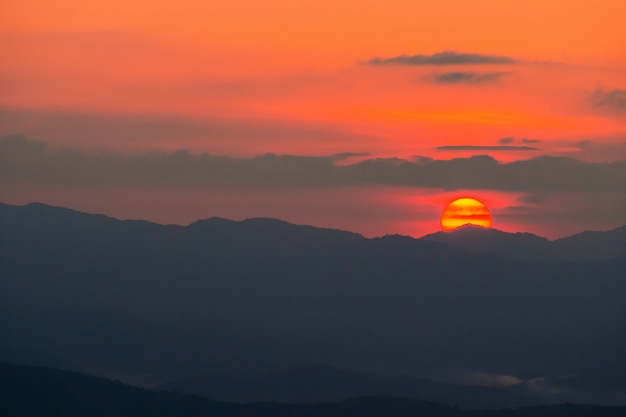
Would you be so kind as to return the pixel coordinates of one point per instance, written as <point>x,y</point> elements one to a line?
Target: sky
<point>366,116</point>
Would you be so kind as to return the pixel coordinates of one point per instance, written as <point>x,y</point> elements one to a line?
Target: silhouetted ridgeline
<point>45,392</point>
<point>585,246</point>
<point>174,306</point>
<point>311,384</point>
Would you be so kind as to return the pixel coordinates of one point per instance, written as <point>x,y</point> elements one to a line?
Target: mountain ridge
<point>582,246</point>
<point>138,299</point>
<point>317,383</point>
<point>49,392</point>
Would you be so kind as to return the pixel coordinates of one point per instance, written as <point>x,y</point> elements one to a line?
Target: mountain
<point>314,384</point>
<point>152,305</point>
<point>593,245</point>
<point>477,239</point>
<point>46,392</point>
<point>586,246</point>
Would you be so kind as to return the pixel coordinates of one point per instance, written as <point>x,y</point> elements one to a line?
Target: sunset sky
<point>367,116</point>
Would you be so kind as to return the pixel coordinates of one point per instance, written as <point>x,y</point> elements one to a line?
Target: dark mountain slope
<point>33,392</point>
<point>586,246</point>
<point>480,240</point>
<point>310,384</point>
<point>593,245</point>
<point>49,392</point>
<point>137,300</point>
<point>45,392</point>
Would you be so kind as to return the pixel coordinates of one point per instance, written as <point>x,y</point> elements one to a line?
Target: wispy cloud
<point>486,148</point>
<point>466,77</point>
<point>443,58</point>
<point>533,198</point>
<point>530,141</point>
<point>220,134</point>
<point>510,139</point>
<point>614,100</point>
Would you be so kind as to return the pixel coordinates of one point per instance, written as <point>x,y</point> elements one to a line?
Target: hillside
<point>585,246</point>
<point>153,304</point>
<point>46,392</point>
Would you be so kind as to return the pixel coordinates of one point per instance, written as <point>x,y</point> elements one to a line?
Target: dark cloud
<point>342,156</point>
<point>467,77</point>
<point>486,148</point>
<point>510,139</point>
<point>514,209</point>
<point>534,198</point>
<point>26,162</point>
<point>614,100</point>
<point>597,149</point>
<point>529,141</point>
<point>443,58</point>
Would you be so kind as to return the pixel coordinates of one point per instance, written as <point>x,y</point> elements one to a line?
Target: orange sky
<point>297,74</point>
<point>303,61</point>
<point>536,29</point>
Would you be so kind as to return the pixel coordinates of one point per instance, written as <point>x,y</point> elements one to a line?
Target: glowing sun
<point>465,211</point>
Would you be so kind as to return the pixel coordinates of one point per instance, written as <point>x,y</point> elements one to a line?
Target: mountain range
<point>585,246</point>
<point>260,304</point>
<point>46,392</point>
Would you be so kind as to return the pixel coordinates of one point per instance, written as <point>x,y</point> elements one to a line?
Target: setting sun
<point>465,211</point>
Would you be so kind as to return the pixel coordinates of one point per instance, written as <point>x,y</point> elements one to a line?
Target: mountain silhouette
<point>155,304</point>
<point>46,392</point>
<point>593,245</point>
<point>585,246</point>
<point>311,384</point>
<point>477,239</point>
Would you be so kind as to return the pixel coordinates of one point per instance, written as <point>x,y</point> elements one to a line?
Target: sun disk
<point>465,211</point>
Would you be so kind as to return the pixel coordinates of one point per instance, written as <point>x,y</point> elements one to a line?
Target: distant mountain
<point>312,384</point>
<point>46,392</point>
<point>593,245</point>
<point>153,304</point>
<point>586,246</point>
<point>476,239</point>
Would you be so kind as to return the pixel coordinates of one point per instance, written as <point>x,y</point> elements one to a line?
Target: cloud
<point>443,58</point>
<point>510,139</point>
<point>613,100</point>
<point>220,134</point>
<point>342,156</point>
<point>485,379</point>
<point>27,162</point>
<point>597,149</point>
<point>534,198</point>
<point>467,77</point>
<point>529,141</point>
<point>486,148</point>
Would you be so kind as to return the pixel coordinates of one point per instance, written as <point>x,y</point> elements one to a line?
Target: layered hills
<point>585,246</point>
<point>183,307</point>
<point>46,392</point>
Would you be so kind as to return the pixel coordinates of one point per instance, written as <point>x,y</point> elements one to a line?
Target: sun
<point>464,211</point>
